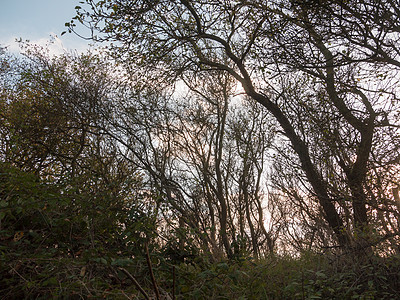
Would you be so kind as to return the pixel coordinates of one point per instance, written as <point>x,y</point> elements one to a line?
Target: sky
<point>38,21</point>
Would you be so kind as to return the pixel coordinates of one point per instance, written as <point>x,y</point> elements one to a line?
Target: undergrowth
<point>53,247</point>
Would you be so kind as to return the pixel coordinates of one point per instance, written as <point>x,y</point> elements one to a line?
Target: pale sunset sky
<point>37,21</point>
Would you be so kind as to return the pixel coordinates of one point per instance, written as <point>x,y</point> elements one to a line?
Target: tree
<point>55,109</point>
<point>70,205</point>
<point>205,166</point>
<point>334,47</point>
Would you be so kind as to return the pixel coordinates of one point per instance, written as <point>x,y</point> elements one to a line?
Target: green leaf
<point>51,281</point>
<point>121,262</point>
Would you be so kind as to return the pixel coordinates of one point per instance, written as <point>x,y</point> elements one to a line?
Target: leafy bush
<point>311,276</point>
<point>55,243</point>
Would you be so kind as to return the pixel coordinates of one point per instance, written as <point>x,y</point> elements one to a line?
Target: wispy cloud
<point>55,44</point>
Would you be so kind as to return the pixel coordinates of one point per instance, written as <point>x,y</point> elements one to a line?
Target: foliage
<point>48,250</point>
<point>57,243</point>
<point>215,150</point>
<point>324,71</point>
<point>309,277</point>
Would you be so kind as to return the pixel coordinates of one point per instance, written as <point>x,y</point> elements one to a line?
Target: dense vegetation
<point>54,248</point>
<point>210,150</point>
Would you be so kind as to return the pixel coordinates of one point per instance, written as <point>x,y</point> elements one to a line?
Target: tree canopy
<point>324,71</point>
<point>210,149</point>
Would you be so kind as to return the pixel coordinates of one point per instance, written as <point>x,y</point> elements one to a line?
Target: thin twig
<point>16,272</point>
<point>123,293</point>
<point>153,280</point>
<point>173,283</point>
<point>135,283</point>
